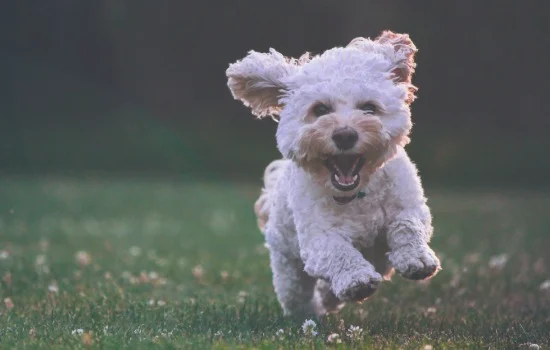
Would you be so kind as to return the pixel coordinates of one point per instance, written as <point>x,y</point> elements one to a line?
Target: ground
<point>135,264</point>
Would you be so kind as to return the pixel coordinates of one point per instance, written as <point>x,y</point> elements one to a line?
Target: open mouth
<point>344,170</point>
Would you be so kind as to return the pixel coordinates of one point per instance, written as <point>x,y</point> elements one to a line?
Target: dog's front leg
<point>333,258</point>
<point>408,236</point>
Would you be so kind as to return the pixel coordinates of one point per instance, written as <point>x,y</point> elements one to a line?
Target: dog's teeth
<point>354,178</point>
<point>337,177</point>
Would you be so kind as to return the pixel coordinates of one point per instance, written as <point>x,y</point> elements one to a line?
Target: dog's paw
<point>356,286</point>
<point>415,262</point>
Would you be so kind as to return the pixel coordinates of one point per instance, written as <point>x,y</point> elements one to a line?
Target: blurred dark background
<point>136,87</point>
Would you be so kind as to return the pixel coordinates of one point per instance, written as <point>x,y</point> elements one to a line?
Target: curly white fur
<point>324,253</point>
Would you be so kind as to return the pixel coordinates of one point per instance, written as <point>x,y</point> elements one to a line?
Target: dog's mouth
<point>344,170</point>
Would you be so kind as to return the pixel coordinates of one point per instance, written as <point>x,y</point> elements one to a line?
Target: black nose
<point>345,138</point>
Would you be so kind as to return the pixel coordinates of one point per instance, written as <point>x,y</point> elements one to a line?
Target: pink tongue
<point>345,179</point>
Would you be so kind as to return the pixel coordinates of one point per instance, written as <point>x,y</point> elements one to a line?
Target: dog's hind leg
<point>294,287</point>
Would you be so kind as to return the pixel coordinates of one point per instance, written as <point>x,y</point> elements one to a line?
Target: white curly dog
<point>345,207</point>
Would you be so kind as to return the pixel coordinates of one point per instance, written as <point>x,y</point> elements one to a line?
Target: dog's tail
<point>263,205</point>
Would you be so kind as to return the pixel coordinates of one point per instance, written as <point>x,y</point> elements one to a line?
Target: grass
<point>138,264</point>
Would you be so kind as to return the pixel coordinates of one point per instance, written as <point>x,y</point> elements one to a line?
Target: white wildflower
<point>545,286</point>
<point>534,347</point>
<point>198,271</point>
<point>83,258</point>
<point>309,328</point>
<point>40,260</point>
<point>428,347</point>
<point>241,296</point>
<point>9,303</point>
<point>280,334</point>
<point>161,303</point>
<point>53,287</point>
<point>4,254</point>
<point>164,333</point>
<point>218,334</point>
<point>153,275</point>
<point>430,310</point>
<point>135,251</point>
<point>355,332</point>
<point>334,338</point>
<point>498,262</point>
<point>78,331</point>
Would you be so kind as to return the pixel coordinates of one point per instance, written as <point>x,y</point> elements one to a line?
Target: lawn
<point>140,264</point>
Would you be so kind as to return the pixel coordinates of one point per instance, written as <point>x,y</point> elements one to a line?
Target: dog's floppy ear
<point>403,59</point>
<point>404,54</point>
<point>258,80</point>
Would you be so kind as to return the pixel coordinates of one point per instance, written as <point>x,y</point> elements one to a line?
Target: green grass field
<point>138,264</point>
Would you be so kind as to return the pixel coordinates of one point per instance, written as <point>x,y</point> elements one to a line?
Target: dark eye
<point>321,109</point>
<point>368,108</point>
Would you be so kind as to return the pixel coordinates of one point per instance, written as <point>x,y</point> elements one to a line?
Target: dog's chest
<point>361,222</point>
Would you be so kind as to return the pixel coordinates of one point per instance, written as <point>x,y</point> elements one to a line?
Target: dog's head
<point>343,113</point>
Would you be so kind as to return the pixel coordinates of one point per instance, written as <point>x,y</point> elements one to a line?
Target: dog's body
<point>346,206</point>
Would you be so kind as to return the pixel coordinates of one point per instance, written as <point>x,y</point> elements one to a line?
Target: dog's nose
<point>345,138</point>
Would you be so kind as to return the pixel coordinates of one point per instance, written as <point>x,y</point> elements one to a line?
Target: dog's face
<point>342,114</point>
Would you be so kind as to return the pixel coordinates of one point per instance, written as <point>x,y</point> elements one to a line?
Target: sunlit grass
<point>137,264</point>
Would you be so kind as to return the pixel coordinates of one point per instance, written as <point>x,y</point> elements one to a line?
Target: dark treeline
<point>478,61</point>
<point>139,85</point>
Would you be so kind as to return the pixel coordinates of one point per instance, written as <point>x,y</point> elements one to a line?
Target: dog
<point>344,207</point>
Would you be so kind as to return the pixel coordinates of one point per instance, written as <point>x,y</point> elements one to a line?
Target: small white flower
<point>309,328</point>
<point>198,271</point>
<point>161,303</point>
<point>78,331</point>
<point>40,260</point>
<point>431,310</point>
<point>53,287</point>
<point>355,332</point>
<point>218,334</point>
<point>498,262</point>
<point>545,286</point>
<point>280,334</point>
<point>334,338</point>
<point>106,330</point>
<point>135,251</point>
<point>241,297</point>
<point>164,333</point>
<point>4,254</point>
<point>83,258</point>
<point>151,302</point>
<point>9,303</point>
<point>428,347</point>
<point>534,347</point>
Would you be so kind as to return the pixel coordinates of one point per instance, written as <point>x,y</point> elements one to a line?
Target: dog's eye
<point>321,109</point>
<point>368,108</point>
